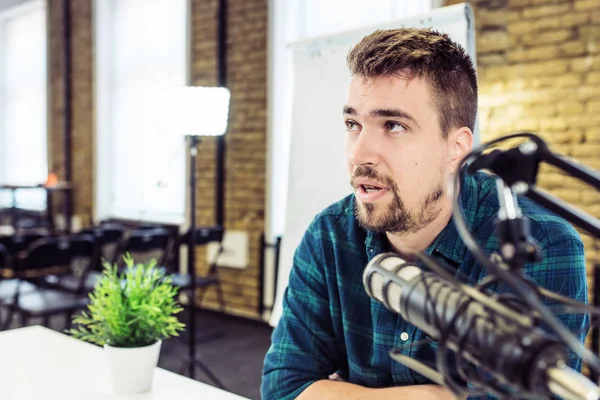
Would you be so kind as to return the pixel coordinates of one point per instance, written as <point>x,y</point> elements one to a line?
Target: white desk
<point>39,363</point>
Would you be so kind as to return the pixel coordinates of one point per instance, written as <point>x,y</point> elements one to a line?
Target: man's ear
<point>460,142</point>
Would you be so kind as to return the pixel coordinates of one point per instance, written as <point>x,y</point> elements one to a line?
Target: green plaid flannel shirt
<point>329,324</point>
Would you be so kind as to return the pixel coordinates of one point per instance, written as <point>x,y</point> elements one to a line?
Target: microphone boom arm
<point>518,168</point>
<point>565,210</point>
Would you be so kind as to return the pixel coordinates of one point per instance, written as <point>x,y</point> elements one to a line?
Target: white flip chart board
<point>317,172</point>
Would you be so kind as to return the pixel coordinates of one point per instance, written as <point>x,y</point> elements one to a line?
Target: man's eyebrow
<point>393,113</point>
<point>385,113</point>
<point>349,110</point>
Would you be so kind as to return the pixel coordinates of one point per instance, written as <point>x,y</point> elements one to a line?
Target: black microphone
<point>488,334</point>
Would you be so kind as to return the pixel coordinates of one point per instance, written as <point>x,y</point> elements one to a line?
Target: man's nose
<point>365,149</point>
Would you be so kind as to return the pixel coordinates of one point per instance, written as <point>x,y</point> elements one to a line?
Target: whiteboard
<point>318,174</point>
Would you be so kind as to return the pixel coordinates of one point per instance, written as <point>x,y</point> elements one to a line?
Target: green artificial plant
<point>133,307</point>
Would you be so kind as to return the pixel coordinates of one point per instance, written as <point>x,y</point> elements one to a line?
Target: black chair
<point>107,238</point>
<point>204,236</point>
<point>10,285</point>
<point>41,257</point>
<point>26,221</point>
<point>3,264</point>
<point>15,244</point>
<point>145,244</point>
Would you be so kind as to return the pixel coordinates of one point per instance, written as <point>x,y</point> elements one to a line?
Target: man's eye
<point>351,125</point>
<point>394,127</point>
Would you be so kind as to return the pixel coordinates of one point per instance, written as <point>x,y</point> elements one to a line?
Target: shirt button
<point>404,336</point>
<point>370,250</point>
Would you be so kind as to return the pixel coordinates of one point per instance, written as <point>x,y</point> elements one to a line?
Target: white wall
<point>4,4</point>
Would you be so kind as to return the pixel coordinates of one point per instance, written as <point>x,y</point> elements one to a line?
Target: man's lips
<point>366,183</point>
<point>369,190</point>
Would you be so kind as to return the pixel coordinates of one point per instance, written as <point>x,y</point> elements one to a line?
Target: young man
<point>409,119</point>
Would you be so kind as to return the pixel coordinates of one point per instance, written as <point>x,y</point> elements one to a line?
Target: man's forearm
<point>333,390</point>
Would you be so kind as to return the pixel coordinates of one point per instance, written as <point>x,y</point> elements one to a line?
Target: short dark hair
<point>426,53</point>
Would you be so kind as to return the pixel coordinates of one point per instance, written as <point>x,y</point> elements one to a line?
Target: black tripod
<point>189,364</point>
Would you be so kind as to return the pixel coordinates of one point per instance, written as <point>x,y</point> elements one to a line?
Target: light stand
<point>196,111</point>
<point>191,361</point>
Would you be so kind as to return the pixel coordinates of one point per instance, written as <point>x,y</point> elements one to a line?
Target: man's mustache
<point>371,173</point>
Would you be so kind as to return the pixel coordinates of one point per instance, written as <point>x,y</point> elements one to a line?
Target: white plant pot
<point>132,368</point>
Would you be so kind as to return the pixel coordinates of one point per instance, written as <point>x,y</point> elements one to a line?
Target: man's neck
<point>417,242</point>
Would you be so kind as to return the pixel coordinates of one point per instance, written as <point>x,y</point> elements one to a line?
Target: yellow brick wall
<point>539,70</point>
<point>245,142</point>
<point>245,164</point>
<point>82,101</point>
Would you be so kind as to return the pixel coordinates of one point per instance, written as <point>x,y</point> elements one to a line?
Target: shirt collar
<point>448,243</point>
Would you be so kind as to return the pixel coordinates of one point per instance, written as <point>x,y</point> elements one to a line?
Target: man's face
<point>397,157</point>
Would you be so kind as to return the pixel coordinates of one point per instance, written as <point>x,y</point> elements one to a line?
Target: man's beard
<point>395,218</point>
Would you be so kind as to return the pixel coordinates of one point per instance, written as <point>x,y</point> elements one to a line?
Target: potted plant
<point>130,313</point>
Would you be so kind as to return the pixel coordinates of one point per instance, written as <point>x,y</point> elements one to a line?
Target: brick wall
<point>539,70</point>
<point>82,102</point>
<point>245,165</point>
<point>245,140</point>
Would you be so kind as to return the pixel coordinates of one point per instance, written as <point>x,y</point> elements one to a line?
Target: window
<point>23,102</point>
<point>141,49</point>
<point>292,21</point>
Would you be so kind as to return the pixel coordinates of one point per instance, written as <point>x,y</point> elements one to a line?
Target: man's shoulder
<point>334,236</point>
<point>339,215</point>
<point>546,227</point>
<point>336,225</point>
